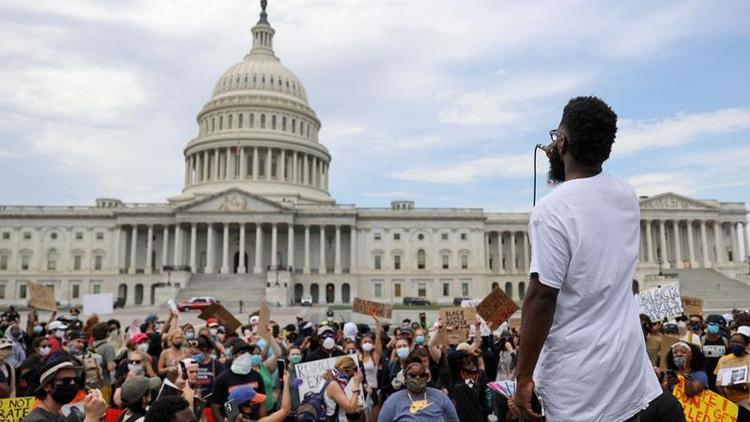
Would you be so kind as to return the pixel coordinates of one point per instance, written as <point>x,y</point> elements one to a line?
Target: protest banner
<point>706,406</point>
<point>459,320</point>
<point>311,374</point>
<point>99,304</point>
<point>224,317</point>
<point>692,305</point>
<point>660,302</point>
<point>496,308</point>
<point>42,297</point>
<point>367,307</point>
<point>13,410</point>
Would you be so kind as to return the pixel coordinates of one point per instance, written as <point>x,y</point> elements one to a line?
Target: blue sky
<point>437,101</point>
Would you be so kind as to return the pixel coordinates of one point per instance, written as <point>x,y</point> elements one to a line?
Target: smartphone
<point>232,411</point>
<point>537,404</point>
<point>183,370</point>
<point>282,367</point>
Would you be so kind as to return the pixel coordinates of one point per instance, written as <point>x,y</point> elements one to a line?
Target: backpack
<point>313,407</point>
<point>92,370</point>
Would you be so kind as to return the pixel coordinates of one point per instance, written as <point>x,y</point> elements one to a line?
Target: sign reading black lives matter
<point>660,302</point>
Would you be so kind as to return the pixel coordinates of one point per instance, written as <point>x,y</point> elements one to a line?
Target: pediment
<point>673,201</point>
<point>232,201</point>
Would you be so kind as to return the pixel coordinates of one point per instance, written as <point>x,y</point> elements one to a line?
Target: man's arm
<point>538,314</point>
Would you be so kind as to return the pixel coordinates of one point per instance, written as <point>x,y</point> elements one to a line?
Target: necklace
<point>417,405</point>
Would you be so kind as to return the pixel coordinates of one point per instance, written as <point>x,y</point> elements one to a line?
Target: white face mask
<point>242,364</point>
<point>329,343</point>
<point>213,331</point>
<point>44,351</point>
<point>142,347</point>
<point>135,367</point>
<point>367,347</point>
<point>60,333</point>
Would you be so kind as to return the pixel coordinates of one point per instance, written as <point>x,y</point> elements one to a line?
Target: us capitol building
<point>256,219</point>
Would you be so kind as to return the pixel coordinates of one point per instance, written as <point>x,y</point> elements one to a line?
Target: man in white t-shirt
<point>582,347</point>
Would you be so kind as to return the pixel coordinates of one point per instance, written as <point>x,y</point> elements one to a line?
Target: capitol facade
<point>256,220</point>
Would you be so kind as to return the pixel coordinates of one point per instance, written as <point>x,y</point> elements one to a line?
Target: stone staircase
<point>229,289</point>
<point>720,293</point>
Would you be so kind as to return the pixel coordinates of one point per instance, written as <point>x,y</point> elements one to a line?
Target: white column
<point>649,241</point>
<point>230,163</point>
<point>255,163</point>
<point>736,242</point>
<point>225,250</point>
<point>216,164</point>
<point>525,251</point>
<point>322,268</point>
<point>337,254</point>
<point>116,249</point>
<point>306,267</point>
<point>691,245</point>
<point>274,245</point>
<point>512,252</point>
<point>133,250</point>
<point>353,250</point>
<point>314,172</point>
<point>209,249</point>
<point>677,248</point>
<point>745,237</point>
<point>663,243</point>
<point>499,247</point>
<point>165,247</point>
<point>243,164</point>
<point>258,243</point>
<point>719,242</point>
<point>268,163</point>
<point>205,174</point>
<point>290,246</point>
<point>294,168</point>
<point>704,245</point>
<point>281,166</point>
<point>149,247</point>
<point>305,172</point>
<point>187,171</point>
<point>241,267</point>
<point>177,245</point>
<point>193,247</point>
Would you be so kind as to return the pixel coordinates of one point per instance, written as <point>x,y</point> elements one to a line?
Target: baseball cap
<point>246,394</point>
<point>715,319</point>
<point>56,325</point>
<point>238,346</point>
<point>700,376</point>
<point>75,335</point>
<point>134,388</point>
<point>5,343</point>
<point>212,322</point>
<point>324,329</point>
<point>137,338</point>
<point>744,330</point>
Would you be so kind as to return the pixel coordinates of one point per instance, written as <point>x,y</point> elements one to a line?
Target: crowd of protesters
<point>164,370</point>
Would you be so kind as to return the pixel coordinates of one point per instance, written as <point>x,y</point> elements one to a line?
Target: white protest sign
<point>100,304</point>
<point>470,303</point>
<point>311,374</point>
<point>484,329</point>
<point>660,302</point>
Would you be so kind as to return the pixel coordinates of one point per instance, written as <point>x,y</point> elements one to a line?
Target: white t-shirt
<point>584,241</point>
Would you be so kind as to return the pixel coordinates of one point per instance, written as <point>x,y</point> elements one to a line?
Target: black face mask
<point>556,166</point>
<point>64,394</point>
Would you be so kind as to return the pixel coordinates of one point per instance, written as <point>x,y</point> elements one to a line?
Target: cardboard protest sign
<point>458,320</point>
<point>692,305</point>
<point>100,304</point>
<point>367,307</point>
<point>42,297</point>
<point>660,302</point>
<point>666,344</point>
<point>224,317</point>
<point>706,406</point>
<point>264,318</point>
<point>496,308</point>
<point>311,374</point>
<point>13,410</point>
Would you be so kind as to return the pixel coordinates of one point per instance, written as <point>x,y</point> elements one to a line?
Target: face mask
<point>402,352</point>
<point>64,394</point>
<point>242,365</point>
<point>416,385</point>
<point>262,344</point>
<point>680,361</point>
<point>737,350</point>
<point>295,359</point>
<point>712,329</point>
<point>44,351</point>
<point>256,360</point>
<point>419,340</point>
<point>73,349</point>
<point>177,345</point>
<point>190,335</point>
<point>135,367</point>
<point>695,326</point>
<point>228,352</point>
<point>198,357</point>
<point>367,347</point>
<point>142,347</point>
<point>73,318</point>
<point>329,343</point>
<point>60,334</point>
<point>38,329</point>
<point>213,331</point>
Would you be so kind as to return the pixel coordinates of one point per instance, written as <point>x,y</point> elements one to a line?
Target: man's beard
<point>556,167</point>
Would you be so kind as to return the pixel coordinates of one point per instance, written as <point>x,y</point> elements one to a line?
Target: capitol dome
<point>258,132</point>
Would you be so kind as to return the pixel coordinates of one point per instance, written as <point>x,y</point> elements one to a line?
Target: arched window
<point>345,293</point>
<point>283,123</point>
<point>252,120</point>
<point>509,289</point>
<point>521,290</point>
<point>239,118</point>
<point>229,122</point>
<point>52,260</point>
<point>273,121</point>
<point>221,122</point>
<point>262,121</point>
<point>294,126</point>
<point>139,294</point>
<point>421,259</point>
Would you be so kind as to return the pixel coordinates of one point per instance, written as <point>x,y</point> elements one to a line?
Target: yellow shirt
<point>731,365</point>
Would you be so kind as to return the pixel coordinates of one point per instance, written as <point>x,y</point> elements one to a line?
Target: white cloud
<point>680,129</point>
<point>509,166</point>
<point>660,182</point>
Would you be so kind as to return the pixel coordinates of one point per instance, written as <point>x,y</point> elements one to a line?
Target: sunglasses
<point>423,375</point>
<point>135,361</point>
<point>65,381</point>
<point>192,343</point>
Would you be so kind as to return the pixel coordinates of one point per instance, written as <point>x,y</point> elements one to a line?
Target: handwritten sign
<point>224,317</point>
<point>264,318</point>
<point>42,297</point>
<point>692,305</point>
<point>13,410</point>
<point>496,308</point>
<point>706,406</point>
<point>660,302</point>
<point>311,373</point>
<point>459,320</point>
<point>367,307</point>
<point>99,304</point>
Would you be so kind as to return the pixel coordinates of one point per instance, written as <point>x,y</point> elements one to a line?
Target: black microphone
<point>542,147</point>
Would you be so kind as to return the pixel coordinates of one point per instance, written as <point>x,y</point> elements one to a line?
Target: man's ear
<point>562,146</point>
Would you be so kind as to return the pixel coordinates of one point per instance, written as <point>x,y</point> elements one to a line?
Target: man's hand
<point>94,405</point>
<point>525,389</point>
